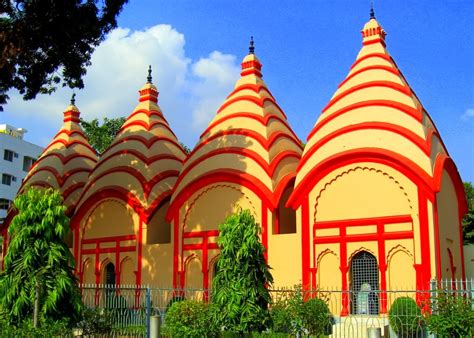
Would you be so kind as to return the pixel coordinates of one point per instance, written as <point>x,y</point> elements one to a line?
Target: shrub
<point>405,317</point>
<point>94,321</point>
<point>282,317</point>
<point>189,318</point>
<point>316,317</point>
<point>453,316</point>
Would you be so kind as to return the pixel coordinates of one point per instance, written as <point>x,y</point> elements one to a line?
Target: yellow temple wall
<point>448,223</point>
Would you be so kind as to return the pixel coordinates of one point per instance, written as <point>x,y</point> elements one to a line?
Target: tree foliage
<point>40,37</point>
<point>468,220</point>
<point>38,258</point>
<point>101,136</point>
<point>240,286</point>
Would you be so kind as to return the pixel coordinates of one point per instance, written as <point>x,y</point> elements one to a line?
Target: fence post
<point>148,311</point>
<point>434,294</point>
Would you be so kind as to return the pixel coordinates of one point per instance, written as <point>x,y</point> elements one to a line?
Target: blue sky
<point>306,47</point>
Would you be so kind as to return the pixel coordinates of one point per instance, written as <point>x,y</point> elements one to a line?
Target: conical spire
<point>149,92</point>
<point>373,31</point>
<point>250,64</point>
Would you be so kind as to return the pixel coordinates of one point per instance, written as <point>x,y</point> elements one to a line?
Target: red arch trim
<point>285,182</point>
<point>223,175</point>
<point>147,112</point>
<point>412,112</point>
<point>60,179</point>
<point>382,156</point>
<point>419,142</point>
<point>387,84</point>
<point>145,125</point>
<point>264,120</point>
<point>365,69</point>
<point>70,132</point>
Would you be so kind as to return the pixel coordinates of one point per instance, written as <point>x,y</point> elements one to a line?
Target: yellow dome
<point>66,162</point>
<point>248,142</point>
<point>373,111</point>
<point>143,161</point>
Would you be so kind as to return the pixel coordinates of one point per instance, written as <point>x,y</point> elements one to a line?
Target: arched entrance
<point>364,284</point>
<point>109,274</point>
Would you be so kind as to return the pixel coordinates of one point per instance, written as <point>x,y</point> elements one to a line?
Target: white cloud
<point>189,91</point>
<point>468,114</point>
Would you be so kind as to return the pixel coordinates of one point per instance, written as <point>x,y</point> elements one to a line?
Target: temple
<point>373,201</point>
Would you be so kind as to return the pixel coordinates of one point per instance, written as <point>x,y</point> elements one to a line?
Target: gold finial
<point>73,99</point>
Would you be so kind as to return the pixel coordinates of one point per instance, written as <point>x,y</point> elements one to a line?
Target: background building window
<point>8,155</point>
<point>4,204</point>
<point>27,163</point>
<point>6,179</point>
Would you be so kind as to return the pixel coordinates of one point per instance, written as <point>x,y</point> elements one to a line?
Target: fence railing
<point>354,312</point>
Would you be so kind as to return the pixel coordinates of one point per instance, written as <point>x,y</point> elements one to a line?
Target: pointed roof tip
<point>251,46</point>
<point>73,99</point>
<point>149,78</point>
<point>372,12</point>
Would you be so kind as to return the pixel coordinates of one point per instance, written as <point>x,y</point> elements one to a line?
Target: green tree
<point>38,263</point>
<point>239,288</point>
<point>101,136</point>
<point>186,149</point>
<point>468,220</point>
<point>40,37</point>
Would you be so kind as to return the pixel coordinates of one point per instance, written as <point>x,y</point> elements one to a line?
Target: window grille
<point>6,179</point>
<point>4,203</point>
<point>110,274</point>
<point>8,155</point>
<point>27,163</point>
<point>364,284</point>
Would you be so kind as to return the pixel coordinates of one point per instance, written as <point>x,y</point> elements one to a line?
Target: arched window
<point>109,274</point>
<point>284,219</point>
<point>159,230</point>
<point>364,284</point>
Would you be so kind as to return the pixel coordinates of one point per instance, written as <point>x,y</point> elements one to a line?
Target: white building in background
<point>16,158</point>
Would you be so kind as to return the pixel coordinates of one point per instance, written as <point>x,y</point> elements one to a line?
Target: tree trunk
<point>37,303</point>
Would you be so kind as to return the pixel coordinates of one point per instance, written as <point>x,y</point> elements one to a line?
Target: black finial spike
<point>148,78</point>
<point>73,99</point>
<point>372,12</point>
<point>251,47</point>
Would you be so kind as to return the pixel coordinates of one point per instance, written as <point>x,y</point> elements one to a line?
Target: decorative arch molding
<point>361,249</point>
<point>399,248</point>
<point>324,253</point>
<point>360,168</point>
<point>212,187</point>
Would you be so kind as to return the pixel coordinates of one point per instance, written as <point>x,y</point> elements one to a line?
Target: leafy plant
<point>240,285</point>
<point>38,263</point>
<point>405,317</point>
<point>453,315</point>
<point>316,317</point>
<point>100,137</point>
<point>94,321</point>
<point>189,318</point>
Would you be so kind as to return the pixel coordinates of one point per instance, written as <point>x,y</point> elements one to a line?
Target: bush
<point>94,321</point>
<point>316,317</point>
<point>405,317</point>
<point>453,315</point>
<point>26,329</point>
<point>189,318</point>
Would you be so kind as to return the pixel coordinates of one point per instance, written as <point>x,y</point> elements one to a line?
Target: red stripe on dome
<point>258,101</point>
<point>371,55</point>
<point>223,175</point>
<point>62,158</point>
<point>387,84</point>
<point>69,144</point>
<point>365,69</point>
<point>423,145</point>
<point>67,192</point>
<point>255,87</point>
<point>145,141</point>
<point>399,162</point>
<point>141,156</point>
<point>264,120</point>
<point>147,126</point>
<point>371,42</point>
<point>412,112</point>
<point>266,144</point>
<point>60,179</point>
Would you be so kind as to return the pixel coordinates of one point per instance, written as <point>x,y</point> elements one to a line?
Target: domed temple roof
<point>248,140</point>
<point>66,162</point>
<point>144,160</point>
<point>374,112</point>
